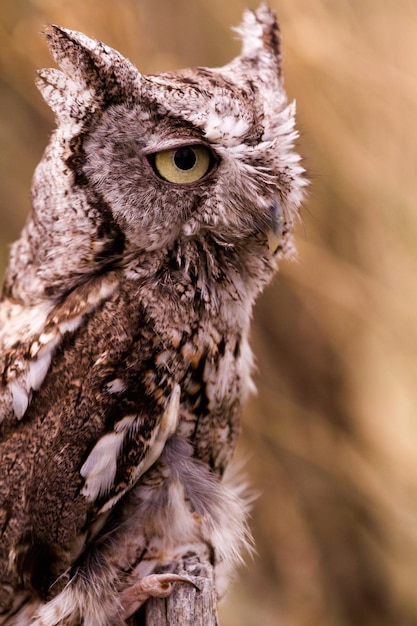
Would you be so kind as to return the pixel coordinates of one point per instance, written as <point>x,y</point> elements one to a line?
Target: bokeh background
<point>331,438</point>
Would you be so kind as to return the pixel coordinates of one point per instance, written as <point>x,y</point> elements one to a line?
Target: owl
<point>160,210</point>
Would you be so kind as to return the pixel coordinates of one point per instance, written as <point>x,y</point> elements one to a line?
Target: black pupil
<point>185,158</point>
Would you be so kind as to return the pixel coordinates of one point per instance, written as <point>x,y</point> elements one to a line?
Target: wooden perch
<point>190,604</point>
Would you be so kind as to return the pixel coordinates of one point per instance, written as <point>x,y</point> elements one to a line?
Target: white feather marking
<point>125,424</point>
<point>156,444</point>
<point>106,289</point>
<point>65,605</point>
<point>167,427</point>
<point>219,380</point>
<point>20,398</point>
<point>218,127</point>
<point>24,323</point>
<point>19,323</point>
<point>71,324</point>
<point>116,386</point>
<point>38,369</point>
<point>102,358</point>
<point>46,338</point>
<point>170,418</point>
<point>163,358</point>
<point>99,469</point>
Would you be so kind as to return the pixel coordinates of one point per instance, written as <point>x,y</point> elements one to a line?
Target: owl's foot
<point>154,585</point>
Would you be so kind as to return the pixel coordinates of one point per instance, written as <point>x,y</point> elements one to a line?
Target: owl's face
<point>166,177</point>
<point>146,161</point>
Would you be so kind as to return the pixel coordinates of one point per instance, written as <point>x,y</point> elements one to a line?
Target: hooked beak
<point>277,226</point>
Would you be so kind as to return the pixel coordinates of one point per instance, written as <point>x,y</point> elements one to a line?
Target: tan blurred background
<point>331,438</point>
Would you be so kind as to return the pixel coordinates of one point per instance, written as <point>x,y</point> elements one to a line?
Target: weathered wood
<point>189,604</point>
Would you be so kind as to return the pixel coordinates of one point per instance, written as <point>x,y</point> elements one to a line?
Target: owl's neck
<point>202,273</point>
<point>214,280</point>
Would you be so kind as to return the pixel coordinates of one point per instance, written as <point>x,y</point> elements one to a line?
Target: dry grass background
<point>332,434</point>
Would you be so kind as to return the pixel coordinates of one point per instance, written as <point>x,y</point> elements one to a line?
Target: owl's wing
<point>99,419</point>
<point>118,446</point>
<point>31,334</point>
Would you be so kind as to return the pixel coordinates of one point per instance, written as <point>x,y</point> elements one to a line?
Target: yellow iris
<point>182,165</point>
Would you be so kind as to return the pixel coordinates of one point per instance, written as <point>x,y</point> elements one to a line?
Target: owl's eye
<point>182,165</point>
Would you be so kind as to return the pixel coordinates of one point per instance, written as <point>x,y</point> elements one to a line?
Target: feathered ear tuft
<point>261,43</point>
<point>93,75</point>
<point>68,100</point>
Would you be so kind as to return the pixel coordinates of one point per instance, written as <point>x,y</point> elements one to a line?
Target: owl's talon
<point>154,585</point>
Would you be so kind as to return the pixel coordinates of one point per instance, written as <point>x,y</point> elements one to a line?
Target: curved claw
<point>154,585</point>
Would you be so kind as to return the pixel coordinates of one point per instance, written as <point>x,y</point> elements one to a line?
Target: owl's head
<point>139,162</point>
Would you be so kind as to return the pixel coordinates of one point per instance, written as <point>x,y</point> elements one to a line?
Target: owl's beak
<point>273,242</point>
<point>277,225</point>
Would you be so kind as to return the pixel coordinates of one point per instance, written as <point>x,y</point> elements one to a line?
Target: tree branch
<point>189,604</point>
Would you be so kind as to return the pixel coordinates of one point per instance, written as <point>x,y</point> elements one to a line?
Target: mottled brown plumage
<point>124,322</point>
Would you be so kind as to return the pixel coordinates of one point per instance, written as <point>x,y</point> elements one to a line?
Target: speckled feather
<point>124,324</point>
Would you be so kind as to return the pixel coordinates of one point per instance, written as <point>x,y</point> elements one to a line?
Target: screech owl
<point>124,322</point>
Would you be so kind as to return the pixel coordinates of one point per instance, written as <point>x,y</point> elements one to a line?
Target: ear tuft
<point>68,101</point>
<point>261,40</point>
<point>92,65</point>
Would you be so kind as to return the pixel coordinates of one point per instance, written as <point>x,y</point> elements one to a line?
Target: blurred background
<point>331,438</point>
